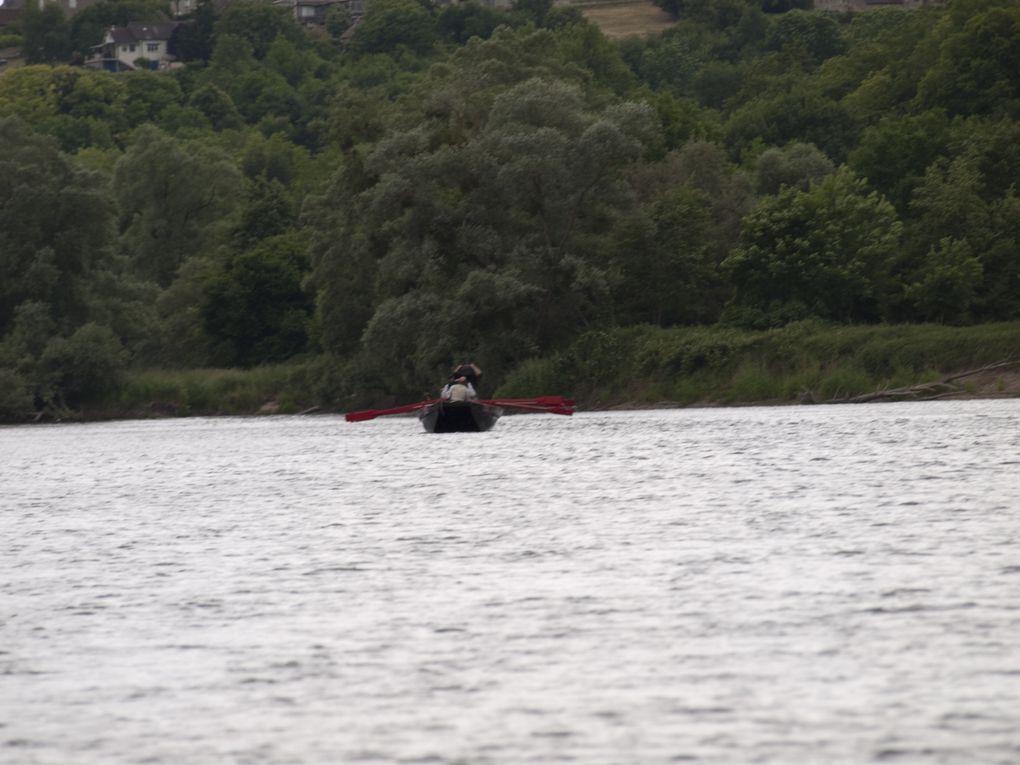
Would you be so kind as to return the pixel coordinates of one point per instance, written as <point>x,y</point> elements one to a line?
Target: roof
<point>137,31</point>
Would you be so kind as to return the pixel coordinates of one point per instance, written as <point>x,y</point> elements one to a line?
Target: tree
<point>174,198</point>
<point>978,71</point>
<point>797,114</point>
<point>826,252</point>
<point>797,165</point>
<point>946,286</point>
<point>500,206</point>
<point>46,34</point>
<point>149,96</point>
<point>268,212</point>
<point>389,24</point>
<point>217,106</point>
<point>667,260</point>
<point>195,39</point>
<point>533,10</point>
<point>260,24</point>
<point>894,153</point>
<point>55,227</point>
<point>83,366</point>
<point>255,309</point>
<point>808,36</point>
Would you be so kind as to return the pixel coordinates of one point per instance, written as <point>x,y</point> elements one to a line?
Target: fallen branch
<point>929,391</point>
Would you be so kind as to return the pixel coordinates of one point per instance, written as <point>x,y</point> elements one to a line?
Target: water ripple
<point>817,584</point>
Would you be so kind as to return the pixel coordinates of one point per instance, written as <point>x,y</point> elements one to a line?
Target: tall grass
<point>210,391</point>
<point>807,360</point>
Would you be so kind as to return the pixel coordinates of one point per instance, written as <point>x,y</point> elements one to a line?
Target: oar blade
<point>371,414</point>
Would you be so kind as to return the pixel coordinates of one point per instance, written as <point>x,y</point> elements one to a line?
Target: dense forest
<point>364,207</point>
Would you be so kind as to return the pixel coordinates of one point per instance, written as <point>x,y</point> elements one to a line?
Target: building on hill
<point>314,11</point>
<point>138,45</point>
<point>70,7</point>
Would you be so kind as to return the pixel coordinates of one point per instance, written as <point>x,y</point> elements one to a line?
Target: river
<point>746,585</point>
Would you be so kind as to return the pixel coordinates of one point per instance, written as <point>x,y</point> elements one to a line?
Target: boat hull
<point>459,417</point>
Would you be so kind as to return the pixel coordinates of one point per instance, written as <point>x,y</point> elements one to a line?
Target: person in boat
<point>462,384</point>
<point>458,389</point>
<point>469,372</point>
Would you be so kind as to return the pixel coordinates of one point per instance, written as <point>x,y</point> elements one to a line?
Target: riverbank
<point>634,368</point>
<point>807,362</point>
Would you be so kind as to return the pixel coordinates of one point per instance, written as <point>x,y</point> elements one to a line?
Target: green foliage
<point>391,24</point>
<point>946,287</point>
<point>807,36</point>
<point>174,197</point>
<point>460,22</point>
<point>826,252</point>
<point>212,391</point>
<point>267,213</point>
<point>15,397</point>
<point>217,106</point>
<point>195,39</point>
<point>255,310</point>
<point>46,34</point>
<point>258,24</point>
<point>797,166</point>
<point>646,364</point>
<point>894,153</point>
<point>82,367</point>
<point>55,227</point>
<point>534,11</point>
<point>795,115</point>
<point>978,70</point>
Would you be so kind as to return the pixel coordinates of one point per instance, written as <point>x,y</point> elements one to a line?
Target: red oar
<point>371,414</point>
<point>565,408</point>
<point>537,401</point>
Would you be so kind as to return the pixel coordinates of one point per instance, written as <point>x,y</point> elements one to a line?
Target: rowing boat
<point>459,417</point>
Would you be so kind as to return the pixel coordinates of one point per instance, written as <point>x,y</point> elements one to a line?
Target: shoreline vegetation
<point>642,367</point>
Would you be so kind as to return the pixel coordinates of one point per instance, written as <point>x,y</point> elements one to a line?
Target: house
<point>314,11</point>
<point>139,44</point>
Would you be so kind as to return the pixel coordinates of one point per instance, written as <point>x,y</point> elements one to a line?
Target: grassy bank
<point>633,366</point>
<point>282,389</point>
<point>805,362</point>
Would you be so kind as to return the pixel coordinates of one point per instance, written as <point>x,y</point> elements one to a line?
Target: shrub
<point>83,366</point>
<point>15,397</point>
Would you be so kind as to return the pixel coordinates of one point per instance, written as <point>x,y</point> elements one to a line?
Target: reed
<point>804,361</point>
<point>210,391</point>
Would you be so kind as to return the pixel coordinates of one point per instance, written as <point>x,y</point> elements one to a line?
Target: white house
<point>124,46</point>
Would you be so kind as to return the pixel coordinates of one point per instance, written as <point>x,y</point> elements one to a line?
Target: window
<point>132,47</point>
<point>152,47</point>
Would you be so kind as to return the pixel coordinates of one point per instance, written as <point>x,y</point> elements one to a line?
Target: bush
<point>15,397</point>
<point>84,366</point>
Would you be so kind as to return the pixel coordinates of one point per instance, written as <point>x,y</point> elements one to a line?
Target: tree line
<point>462,182</point>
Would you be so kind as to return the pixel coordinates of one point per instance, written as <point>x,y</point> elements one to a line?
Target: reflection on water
<point>809,585</point>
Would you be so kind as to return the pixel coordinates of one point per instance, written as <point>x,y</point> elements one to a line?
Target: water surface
<point>791,585</point>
